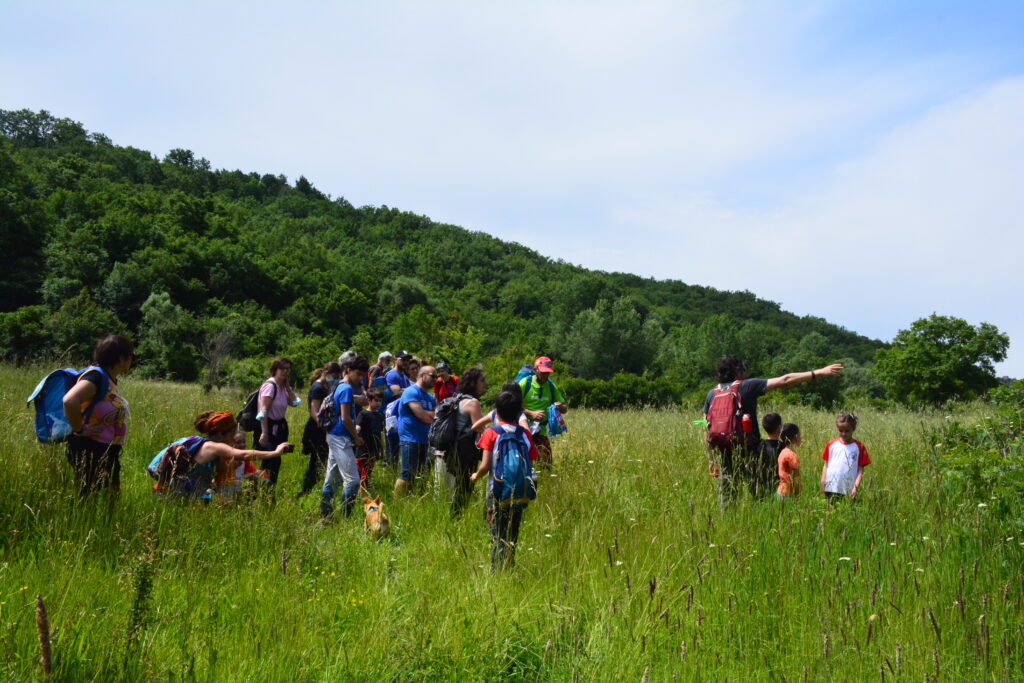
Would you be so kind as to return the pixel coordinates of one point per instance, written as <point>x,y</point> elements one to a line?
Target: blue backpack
<point>512,481</point>
<point>381,382</point>
<point>51,424</point>
<point>525,371</point>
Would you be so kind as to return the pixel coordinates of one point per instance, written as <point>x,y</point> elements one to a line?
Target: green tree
<point>77,325</point>
<point>167,333</point>
<point>941,358</point>
<point>609,338</point>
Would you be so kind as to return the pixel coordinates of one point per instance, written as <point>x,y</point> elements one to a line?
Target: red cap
<point>543,364</point>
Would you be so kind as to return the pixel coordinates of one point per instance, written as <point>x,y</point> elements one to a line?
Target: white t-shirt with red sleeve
<point>842,460</point>
<point>490,437</point>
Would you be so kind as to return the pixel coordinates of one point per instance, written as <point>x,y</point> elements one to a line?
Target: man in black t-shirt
<point>731,369</point>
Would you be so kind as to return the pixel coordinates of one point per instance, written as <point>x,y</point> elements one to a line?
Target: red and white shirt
<point>842,461</point>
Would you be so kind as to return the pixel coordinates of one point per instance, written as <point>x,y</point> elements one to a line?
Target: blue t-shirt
<point>394,377</point>
<point>410,428</point>
<point>344,393</point>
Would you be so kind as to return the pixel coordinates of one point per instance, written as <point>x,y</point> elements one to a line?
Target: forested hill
<point>213,271</point>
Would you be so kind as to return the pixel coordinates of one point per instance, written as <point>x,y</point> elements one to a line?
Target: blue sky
<point>863,160</point>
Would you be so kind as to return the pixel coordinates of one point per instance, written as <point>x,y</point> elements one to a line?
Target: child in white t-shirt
<point>845,460</point>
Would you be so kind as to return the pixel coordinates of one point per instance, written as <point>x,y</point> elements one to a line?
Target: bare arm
<point>795,475</point>
<point>472,409</point>
<point>484,468</point>
<point>211,450</point>
<point>481,424</point>
<point>856,482</point>
<point>81,393</point>
<point>396,390</point>
<point>421,414</point>
<point>346,419</point>
<point>794,378</point>
<point>824,471</point>
<point>314,408</point>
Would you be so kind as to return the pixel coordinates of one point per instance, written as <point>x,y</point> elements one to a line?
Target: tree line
<point>213,271</point>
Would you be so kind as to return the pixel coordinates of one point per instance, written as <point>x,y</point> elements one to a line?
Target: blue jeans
<point>414,459</point>
<point>391,457</point>
<point>341,464</point>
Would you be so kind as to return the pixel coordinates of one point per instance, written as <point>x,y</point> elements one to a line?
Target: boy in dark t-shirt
<point>764,478</point>
<point>370,426</point>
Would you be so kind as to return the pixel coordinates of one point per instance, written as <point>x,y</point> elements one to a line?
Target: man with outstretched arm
<point>733,380</point>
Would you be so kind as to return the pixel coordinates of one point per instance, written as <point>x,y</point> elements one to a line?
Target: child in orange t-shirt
<point>789,463</point>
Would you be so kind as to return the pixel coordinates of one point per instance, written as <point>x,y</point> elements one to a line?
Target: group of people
<point>359,415</point>
<point>362,414</point>
<point>740,456</point>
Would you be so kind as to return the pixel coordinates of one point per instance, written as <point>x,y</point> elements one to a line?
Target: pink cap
<point>543,364</point>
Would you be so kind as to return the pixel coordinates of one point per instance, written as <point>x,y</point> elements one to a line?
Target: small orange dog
<point>376,522</point>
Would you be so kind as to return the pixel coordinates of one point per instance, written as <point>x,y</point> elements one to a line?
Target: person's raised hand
<point>834,369</point>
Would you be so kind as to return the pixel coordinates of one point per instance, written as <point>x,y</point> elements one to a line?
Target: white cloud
<point>930,219</point>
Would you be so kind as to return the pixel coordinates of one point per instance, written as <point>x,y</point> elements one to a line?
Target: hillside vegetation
<point>212,272</point>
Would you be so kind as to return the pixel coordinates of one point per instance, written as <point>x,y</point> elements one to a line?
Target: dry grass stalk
<point>43,627</point>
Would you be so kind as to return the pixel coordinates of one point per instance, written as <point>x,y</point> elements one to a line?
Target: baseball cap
<point>403,355</point>
<point>543,364</point>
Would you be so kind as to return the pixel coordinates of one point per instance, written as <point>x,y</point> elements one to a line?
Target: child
<point>232,473</point>
<point>763,478</point>
<point>504,519</point>
<point>845,460</point>
<point>788,463</point>
<point>370,426</point>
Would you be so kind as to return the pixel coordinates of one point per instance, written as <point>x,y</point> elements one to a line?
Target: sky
<point>861,161</point>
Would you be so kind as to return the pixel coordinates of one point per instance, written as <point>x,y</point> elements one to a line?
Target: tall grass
<point>626,565</point>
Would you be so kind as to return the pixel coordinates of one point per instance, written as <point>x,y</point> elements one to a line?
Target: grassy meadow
<point>626,566</point>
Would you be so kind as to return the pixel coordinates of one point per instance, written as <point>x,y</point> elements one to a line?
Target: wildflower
<point>547,536</point>
<point>919,570</point>
<point>982,505</point>
<point>590,462</point>
<point>618,562</point>
<point>924,538</point>
<point>711,545</point>
<point>553,476</point>
<point>893,543</point>
<point>844,559</point>
<point>23,588</point>
<point>1009,539</point>
<point>632,519</point>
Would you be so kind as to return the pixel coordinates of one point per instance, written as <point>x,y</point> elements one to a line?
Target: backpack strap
<point>101,391</point>
<point>529,382</point>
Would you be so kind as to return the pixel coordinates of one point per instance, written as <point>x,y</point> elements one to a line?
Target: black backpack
<point>444,428</point>
<point>247,417</point>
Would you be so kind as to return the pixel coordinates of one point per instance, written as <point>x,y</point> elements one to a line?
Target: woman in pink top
<point>272,423</point>
<point>94,449</point>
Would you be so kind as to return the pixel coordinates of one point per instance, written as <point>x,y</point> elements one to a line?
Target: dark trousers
<point>504,523</point>
<point>738,466</point>
<point>96,465</point>
<point>462,462</point>
<point>278,434</point>
<point>314,444</point>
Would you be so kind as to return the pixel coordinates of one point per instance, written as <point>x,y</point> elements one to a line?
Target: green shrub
<point>986,460</point>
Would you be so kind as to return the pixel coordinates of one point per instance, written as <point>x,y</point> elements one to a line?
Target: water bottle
<point>748,424</point>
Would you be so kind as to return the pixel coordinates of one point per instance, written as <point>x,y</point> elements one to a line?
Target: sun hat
<point>543,364</point>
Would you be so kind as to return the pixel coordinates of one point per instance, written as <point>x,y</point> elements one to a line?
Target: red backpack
<point>725,416</point>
